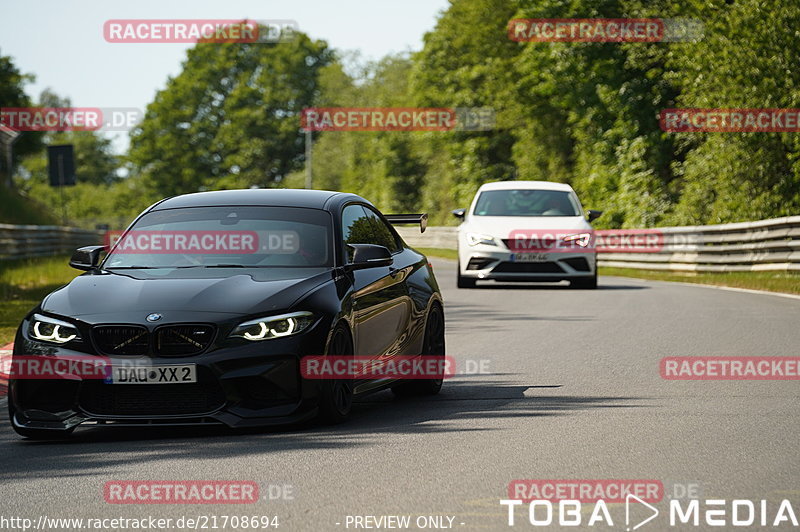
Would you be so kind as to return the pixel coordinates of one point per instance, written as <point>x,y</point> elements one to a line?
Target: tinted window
<point>360,225</point>
<point>526,203</point>
<point>382,234</point>
<point>356,228</point>
<point>237,235</point>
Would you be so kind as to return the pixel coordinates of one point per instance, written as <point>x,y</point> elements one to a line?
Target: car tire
<point>432,346</point>
<point>461,281</point>
<point>336,396</point>
<point>38,434</point>
<point>588,283</point>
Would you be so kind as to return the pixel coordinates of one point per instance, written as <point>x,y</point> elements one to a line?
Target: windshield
<point>226,237</point>
<point>526,202</point>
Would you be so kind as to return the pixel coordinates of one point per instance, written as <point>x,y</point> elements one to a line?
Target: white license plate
<point>530,257</point>
<point>183,374</point>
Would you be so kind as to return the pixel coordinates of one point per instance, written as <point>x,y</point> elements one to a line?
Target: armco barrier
<point>746,246</point>
<point>765,245</point>
<point>23,241</point>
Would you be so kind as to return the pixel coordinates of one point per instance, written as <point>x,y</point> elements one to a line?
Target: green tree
<point>380,165</point>
<point>748,58</point>
<point>230,118</point>
<point>95,162</point>
<point>12,94</point>
<point>467,61</point>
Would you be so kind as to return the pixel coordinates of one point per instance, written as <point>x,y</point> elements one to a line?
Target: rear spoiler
<point>405,219</point>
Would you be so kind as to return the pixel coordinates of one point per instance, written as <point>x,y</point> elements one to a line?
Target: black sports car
<point>211,301</point>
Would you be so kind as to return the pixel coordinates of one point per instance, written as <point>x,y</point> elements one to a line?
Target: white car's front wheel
<point>461,281</point>
<point>584,282</point>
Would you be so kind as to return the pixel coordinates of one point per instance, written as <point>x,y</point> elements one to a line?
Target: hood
<point>136,293</point>
<point>502,226</point>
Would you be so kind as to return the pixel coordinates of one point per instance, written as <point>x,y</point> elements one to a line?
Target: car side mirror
<point>86,258</point>
<point>592,214</point>
<point>369,256</point>
<point>459,213</point>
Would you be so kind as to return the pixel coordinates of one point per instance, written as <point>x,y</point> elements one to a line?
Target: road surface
<point>573,392</point>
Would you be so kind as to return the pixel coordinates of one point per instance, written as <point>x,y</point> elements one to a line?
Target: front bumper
<point>503,265</point>
<point>246,385</point>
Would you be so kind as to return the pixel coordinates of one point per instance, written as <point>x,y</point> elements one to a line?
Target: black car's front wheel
<point>433,346</point>
<point>336,397</point>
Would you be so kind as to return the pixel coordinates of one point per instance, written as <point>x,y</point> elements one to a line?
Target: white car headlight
<point>473,239</point>
<point>52,330</point>
<point>580,239</point>
<point>273,326</point>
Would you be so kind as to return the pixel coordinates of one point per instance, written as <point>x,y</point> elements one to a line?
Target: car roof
<point>525,185</point>
<point>278,197</point>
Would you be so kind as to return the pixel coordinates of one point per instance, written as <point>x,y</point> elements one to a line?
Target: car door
<point>381,305</point>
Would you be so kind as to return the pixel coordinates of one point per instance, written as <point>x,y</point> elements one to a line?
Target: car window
<point>383,235</point>
<point>238,236</point>
<point>526,202</point>
<point>361,225</point>
<point>356,228</point>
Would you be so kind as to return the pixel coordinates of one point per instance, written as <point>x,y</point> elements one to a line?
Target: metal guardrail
<point>23,241</point>
<point>765,245</point>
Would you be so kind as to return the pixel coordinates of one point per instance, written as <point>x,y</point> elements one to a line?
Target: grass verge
<point>439,253</point>
<point>23,284</point>
<point>785,282</point>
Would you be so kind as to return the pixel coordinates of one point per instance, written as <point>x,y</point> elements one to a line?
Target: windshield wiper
<point>182,267</point>
<point>213,266</point>
<point>134,267</point>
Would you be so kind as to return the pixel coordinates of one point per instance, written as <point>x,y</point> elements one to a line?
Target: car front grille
<point>183,340</point>
<point>543,245</point>
<point>121,340</point>
<point>167,341</point>
<point>528,267</point>
<point>101,399</point>
<point>579,264</point>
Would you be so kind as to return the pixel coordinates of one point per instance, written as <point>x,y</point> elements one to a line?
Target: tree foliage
<point>580,113</point>
<point>230,119</point>
<point>587,114</point>
<point>12,94</point>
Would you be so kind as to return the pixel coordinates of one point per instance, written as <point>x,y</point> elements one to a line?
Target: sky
<point>61,42</point>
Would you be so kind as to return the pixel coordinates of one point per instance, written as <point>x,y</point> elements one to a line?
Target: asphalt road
<point>574,392</point>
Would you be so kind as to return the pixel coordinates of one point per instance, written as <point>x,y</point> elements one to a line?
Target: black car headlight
<point>274,326</point>
<point>48,329</point>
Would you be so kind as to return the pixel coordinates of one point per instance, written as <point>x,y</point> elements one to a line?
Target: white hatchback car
<point>526,231</point>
